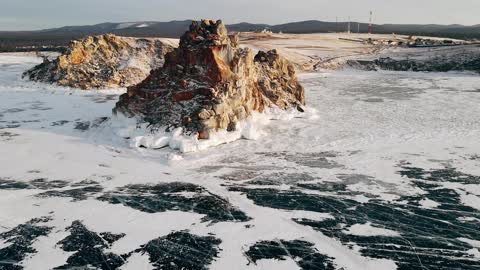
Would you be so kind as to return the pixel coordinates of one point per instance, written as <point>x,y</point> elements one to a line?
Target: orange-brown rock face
<point>102,62</point>
<point>209,83</point>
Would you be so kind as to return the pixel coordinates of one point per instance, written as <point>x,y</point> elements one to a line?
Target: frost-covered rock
<point>209,83</point>
<point>438,59</point>
<point>102,62</point>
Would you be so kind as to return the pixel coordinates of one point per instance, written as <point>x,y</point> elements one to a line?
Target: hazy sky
<point>39,14</point>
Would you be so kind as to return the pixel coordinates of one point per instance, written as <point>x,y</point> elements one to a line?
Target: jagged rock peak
<point>209,83</point>
<point>206,33</point>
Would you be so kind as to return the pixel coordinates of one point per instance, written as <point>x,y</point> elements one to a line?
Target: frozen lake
<point>381,172</point>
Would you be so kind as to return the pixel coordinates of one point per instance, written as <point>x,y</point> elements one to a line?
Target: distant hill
<point>58,37</point>
<point>12,40</point>
<point>451,31</point>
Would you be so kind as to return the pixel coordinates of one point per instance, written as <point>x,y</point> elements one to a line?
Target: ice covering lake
<point>381,172</point>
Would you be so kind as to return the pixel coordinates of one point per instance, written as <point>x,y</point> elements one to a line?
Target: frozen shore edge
<point>252,128</point>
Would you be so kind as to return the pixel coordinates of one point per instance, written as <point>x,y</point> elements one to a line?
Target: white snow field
<point>381,172</point>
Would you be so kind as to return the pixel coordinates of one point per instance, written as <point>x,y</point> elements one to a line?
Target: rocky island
<point>210,83</point>
<point>104,61</point>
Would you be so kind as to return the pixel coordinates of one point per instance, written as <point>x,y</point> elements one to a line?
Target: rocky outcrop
<point>418,65</point>
<point>210,83</point>
<point>441,59</point>
<point>102,62</point>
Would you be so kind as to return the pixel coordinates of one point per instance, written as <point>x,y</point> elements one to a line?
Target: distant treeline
<point>22,41</point>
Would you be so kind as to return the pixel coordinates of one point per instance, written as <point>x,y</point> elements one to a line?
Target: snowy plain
<point>382,172</point>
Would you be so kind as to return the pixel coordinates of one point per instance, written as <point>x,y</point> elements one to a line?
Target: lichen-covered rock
<point>102,62</point>
<point>210,83</point>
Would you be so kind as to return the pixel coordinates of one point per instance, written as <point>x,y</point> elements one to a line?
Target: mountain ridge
<point>11,40</point>
<point>114,25</point>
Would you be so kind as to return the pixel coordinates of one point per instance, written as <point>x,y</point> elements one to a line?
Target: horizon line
<point>243,22</point>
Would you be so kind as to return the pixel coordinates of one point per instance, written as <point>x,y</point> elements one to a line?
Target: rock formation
<point>434,59</point>
<point>210,83</point>
<point>436,65</point>
<point>102,62</point>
